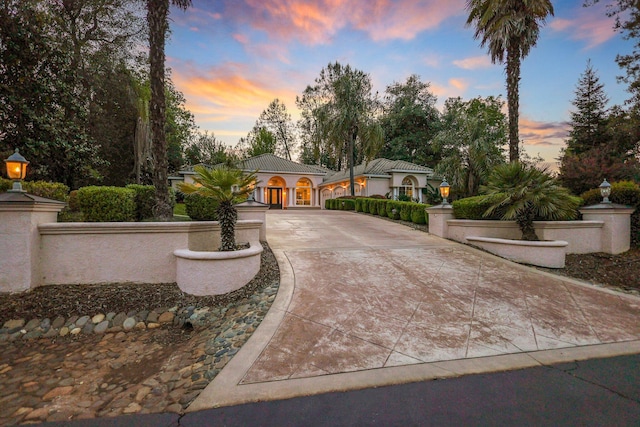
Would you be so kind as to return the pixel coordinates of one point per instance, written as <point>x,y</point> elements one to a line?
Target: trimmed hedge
<point>381,206</point>
<point>475,207</point>
<point>623,193</point>
<point>5,185</point>
<point>359,203</point>
<point>347,204</point>
<point>201,208</point>
<point>107,204</point>
<point>49,190</point>
<point>405,211</point>
<point>418,214</point>
<point>145,198</point>
<point>392,206</point>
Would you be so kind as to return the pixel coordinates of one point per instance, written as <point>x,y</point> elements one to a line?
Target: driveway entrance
<point>367,302</point>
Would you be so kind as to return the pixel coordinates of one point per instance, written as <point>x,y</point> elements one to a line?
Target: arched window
<point>407,188</point>
<point>303,192</point>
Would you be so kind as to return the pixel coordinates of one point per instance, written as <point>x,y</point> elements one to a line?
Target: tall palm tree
<point>509,29</point>
<point>227,186</point>
<point>157,19</point>
<point>526,193</point>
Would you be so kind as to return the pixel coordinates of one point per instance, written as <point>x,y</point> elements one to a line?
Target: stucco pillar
<point>254,210</point>
<point>20,215</point>
<point>616,232</point>
<point>438,217</point>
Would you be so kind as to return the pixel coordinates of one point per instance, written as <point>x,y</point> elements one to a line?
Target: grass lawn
<point>180,209</point>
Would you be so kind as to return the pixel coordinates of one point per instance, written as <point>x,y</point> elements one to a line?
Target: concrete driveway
<point>366,302</point>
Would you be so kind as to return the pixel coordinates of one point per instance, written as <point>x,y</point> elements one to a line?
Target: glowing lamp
<point>16,170</point>
<point>444,191</point>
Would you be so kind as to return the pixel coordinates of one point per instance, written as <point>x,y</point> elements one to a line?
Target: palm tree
<point>509,29</point>
<point>227,186</point>
<point>525,194</point>
<point>157,19</point>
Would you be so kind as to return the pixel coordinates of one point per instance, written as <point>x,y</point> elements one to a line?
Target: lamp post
<point>444,191</point>
<point>605,191</point>
<point>16,170</point>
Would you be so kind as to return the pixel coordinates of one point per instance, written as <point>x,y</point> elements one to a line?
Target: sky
<point>231,58</point>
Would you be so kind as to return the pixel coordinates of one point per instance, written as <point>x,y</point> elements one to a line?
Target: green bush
<point>366,205</point>
<point>475,207</point>
<point>359,202</point>
<point>73,202</point>
<point>405,211</point>
<point>382,207</point>
<point>346,204</point>
<point>623,193</point>
<point>145,197</point>
<point>201,208</point>
<point>49,190</point>
<point>391,206</point>
<point>377,196</point>
<point>418,214</point>
<point>5,185</point>
<point>327,204</point>
<point>106,204</point>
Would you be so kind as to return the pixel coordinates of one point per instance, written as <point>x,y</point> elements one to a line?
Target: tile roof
<point>379,167</point>
<point>271,163</point>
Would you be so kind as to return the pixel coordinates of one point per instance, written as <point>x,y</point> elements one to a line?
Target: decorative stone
<point>153,325</point>
<point>75,331</point>
<point>132,408</point>
<point>97,318</point>
<point>110,315</point>
<point>119,319</point>
<point>12,324</point>
<point>129,323</point>
<point>58,322</point>
<point>58,391</point>
<point>166,317</point>
<point>45,324</point>
<point>152,317</point>
<point>50,333</point>
<point>142,316</point>
<point>82,321</point>
<point>140,325</point>
<point>87,328</point>
<point>64,331</point>
<point>101,327</point>
<point>72,320</point>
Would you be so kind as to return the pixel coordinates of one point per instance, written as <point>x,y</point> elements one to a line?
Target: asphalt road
<point>598,392</point>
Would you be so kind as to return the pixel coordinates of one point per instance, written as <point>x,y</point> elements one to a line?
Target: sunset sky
<point>231,58</point>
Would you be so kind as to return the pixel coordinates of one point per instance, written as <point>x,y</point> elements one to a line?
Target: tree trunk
<point>157,15</point>
<point>227,216</point>
<point>352,141</point>
<point>524,220</point>
<point>513,100</point>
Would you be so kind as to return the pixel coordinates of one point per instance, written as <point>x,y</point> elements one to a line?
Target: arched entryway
<point>274,194</point>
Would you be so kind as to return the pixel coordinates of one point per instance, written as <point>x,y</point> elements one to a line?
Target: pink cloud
<point>587,24</point>
<point>543,133</point>
<point>317,21</point>
<point>473,63</point>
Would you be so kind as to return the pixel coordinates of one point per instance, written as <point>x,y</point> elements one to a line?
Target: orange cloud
<point>317,21</point>
<point>534,132</point>
<point>474,62</point>
<point>590,24</point>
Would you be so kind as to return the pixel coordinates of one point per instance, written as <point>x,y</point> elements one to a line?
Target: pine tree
<point>589,121</point>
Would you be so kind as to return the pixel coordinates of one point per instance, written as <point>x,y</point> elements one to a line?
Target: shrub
<point>105,204</point>
<point>393,206</point>
<point>347,204</point>
<point>382,207</point>
<point>623,193</point>
<point>418,215</point>
<point>359,202</point>
<point>201,208</point>
<point>145,198</point>
<point>475,207</point>
<point>405,211</point>
<point>5,185</point>
<point>367,205</point>
<point>327,204</point>
<point>49,190</point>
<point>378,196</point>
<point>73,202</point>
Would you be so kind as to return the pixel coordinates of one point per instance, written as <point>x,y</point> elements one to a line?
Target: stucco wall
<point>84,253</point>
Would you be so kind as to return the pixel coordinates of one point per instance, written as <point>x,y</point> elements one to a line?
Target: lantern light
<point>444,191</point>
<point>605,191</point>
<point>16,170</point>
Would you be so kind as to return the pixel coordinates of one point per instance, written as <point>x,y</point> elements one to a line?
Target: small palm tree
<point>227,186</point>
<point>526,193</point>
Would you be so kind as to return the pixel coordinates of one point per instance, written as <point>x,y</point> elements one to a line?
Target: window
<point>407,188</point>
<point>303,192</point>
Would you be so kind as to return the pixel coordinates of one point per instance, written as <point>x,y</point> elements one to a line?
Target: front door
<point>274,198</point>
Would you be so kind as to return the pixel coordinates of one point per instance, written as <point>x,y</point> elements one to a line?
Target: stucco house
<point>285,184</point>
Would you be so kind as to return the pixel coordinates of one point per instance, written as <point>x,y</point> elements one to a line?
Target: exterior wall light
<point>605,191</point>
<point>444,191</point>
<point>16,170</point>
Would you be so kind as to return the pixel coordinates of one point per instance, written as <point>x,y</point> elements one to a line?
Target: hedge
<point>346,204</point>
<point>418,214</point>
<point>623,193</point>
<point>359,203</point>
<point>393,209</point>
<point>405,211</point>
<point>145,198</point>
<point>201,208</point>
<point>49,190</point>
<point>475,207</point>
<point>106,204</point>
<point>381,206</point>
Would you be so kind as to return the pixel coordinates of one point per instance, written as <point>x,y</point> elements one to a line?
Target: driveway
<point>366,302</point>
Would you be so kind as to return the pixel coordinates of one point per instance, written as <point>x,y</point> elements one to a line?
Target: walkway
<point>365,302</point>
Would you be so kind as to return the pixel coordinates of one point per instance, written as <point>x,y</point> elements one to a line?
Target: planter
<point>215,273</point>
<point>550,254</point>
